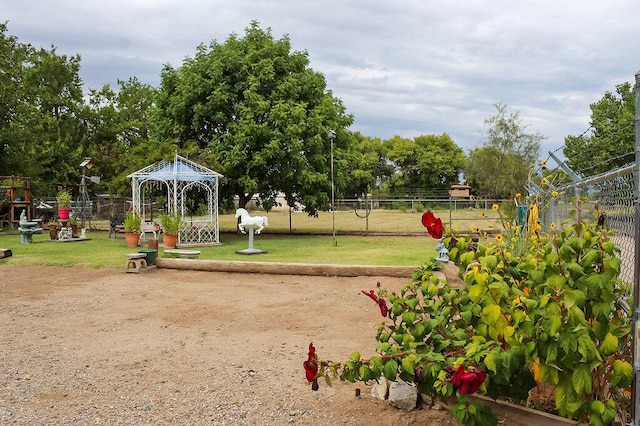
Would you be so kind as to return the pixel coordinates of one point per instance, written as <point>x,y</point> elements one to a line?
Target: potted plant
<point>73,224</point>
<point>132,227</point>
<point>170,229</point>
<point>64,204</point>
<point>53,230</point>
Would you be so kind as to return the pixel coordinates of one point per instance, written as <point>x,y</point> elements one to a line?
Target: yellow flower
<point>544,181</point>
<point>554,194</point>
<point>475,230</point>
<point>518,195</point>
<point>544,164</point>
<point>471,197</point>
<point>495,207</point>
<point>499,238</point>
<point>553,225</point>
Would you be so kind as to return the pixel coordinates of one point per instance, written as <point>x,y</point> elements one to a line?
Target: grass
<point>101,251</point>
<point>302,246</point>
<point>380,220</point>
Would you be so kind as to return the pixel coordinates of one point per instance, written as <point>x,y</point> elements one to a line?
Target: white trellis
<point>179,177</point>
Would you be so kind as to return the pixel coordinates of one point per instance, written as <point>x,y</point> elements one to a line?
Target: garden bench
<point>136,262</point>
<point>184,254</point>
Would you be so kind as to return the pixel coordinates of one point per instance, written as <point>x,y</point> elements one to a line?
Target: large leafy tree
<point>500,168</point>
<point>426,162</point>
<point>254,110</point>
<point>118,135</point>
<point>42,129</point>
<point>611,143</point>
<point>367,166</point>
<point>12,58</point>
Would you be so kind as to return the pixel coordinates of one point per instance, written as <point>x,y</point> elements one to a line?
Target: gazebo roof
<point>180,169</point>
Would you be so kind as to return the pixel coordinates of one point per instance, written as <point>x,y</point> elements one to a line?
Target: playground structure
<point>16,192</point>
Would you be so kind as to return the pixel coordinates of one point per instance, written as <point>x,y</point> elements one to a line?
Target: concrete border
<point>279,268</point>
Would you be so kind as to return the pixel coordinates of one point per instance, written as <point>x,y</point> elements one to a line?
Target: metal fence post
<point>635,409</point>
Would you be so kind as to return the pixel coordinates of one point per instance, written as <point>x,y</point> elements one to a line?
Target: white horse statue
<point>246,220</point>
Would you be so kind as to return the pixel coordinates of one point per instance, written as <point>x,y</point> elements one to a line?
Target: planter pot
<point>63,214</point>
<point>152,244</point>
<point>53,232</point>
<point>132,239</point>
<point>516,415</point>
<point>169,241</point>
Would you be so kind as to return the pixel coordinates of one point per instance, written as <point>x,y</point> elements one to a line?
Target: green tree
<point>426,162</point>
<point>13,56</point>
<point>259,114</point>
<point>118,135</point>
<point>368,166</point>
<point>41,126</point>
<point>500,168</point>
<point>611,143</point>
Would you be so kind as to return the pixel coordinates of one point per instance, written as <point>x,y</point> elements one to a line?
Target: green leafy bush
<point>132,223</point>
<point>546,311</point>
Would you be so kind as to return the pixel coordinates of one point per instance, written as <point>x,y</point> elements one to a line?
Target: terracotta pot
<point>53,232</point>
<point>132,239</point>
<point>152,244</point>
<point>169,240</point>
<point>63,214</point>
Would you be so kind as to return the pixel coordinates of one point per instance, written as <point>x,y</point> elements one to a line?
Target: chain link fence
<point>612,193</point>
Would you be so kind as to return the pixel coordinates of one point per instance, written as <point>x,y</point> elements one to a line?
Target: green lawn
<point>101,251</point>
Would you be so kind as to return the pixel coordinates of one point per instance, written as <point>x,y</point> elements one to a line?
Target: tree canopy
<point>426,162</point>
<point>261,115</point>
<point>611,143</point>
<point>500,168</point>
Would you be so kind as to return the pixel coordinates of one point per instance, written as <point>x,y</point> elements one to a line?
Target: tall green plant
<point>550,313</point>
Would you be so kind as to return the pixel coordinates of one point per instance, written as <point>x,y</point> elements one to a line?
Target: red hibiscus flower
<point>468,381</point>
<point>311,367</point>
<point>381,302</point>
<point>433,224</point>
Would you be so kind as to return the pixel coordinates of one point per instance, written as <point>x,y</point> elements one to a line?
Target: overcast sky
<point>408,68</point>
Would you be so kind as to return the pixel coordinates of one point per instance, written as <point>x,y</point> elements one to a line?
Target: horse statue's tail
<point>266,221</point>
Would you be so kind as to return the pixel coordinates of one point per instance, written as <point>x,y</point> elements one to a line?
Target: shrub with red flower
<point>468,380</point>
<point>381,302</point>
<point>433,224</point>
<point>311,367</point>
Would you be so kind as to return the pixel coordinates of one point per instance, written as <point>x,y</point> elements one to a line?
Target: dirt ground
<point>185,347</point>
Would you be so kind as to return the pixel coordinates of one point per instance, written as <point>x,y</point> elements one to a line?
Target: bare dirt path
<point>184,347</point>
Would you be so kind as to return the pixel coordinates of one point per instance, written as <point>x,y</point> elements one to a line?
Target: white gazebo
<point>180,177</point>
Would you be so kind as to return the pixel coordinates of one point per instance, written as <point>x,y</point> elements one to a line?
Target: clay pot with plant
<point>73,224</point>
<point>132,228</point>
<point>53,230</point>
<point>170,229</point>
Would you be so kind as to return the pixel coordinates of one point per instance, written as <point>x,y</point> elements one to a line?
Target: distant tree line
<point>253,110</point>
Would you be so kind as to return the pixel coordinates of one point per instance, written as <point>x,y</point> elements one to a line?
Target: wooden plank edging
<point>279,268</point>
